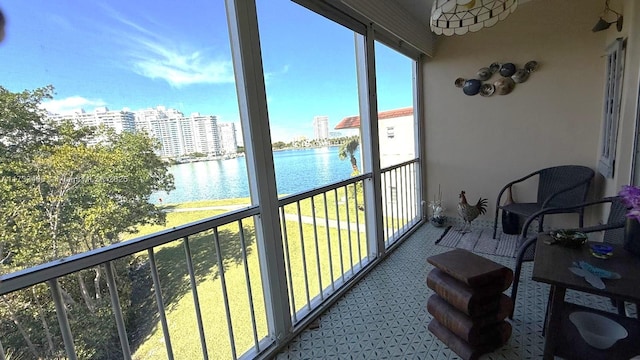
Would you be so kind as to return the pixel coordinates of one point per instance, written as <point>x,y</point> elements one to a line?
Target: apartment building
<point>205,134</point>
<point>321,127</point>
<point>228,138</point>
<point>162,124</point>
<point>119,120</point>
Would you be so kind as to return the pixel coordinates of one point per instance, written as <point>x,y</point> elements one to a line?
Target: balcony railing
<point>209,272</point>
<point>324,240</point>
<point>400,200</point>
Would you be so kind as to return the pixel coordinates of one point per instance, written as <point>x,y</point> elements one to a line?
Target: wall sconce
<point>603,24</point>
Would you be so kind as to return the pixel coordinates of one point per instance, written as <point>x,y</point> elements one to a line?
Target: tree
<point>347,150</point>
<point>66,189</point>
<point>67,196</point>
<point>22,135</point>
<point>22,129</point>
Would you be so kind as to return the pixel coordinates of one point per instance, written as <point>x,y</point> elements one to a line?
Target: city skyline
<point>319,124</point>
<point>178,135</point>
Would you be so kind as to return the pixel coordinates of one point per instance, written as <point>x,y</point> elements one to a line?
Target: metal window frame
<point>252,99</point>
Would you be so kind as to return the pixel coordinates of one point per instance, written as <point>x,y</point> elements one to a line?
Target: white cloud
<point>155,61</point>
<point>71,104</point>
<point>152,55</point>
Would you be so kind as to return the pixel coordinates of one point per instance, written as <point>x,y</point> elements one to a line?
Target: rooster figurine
<point>468,213</point>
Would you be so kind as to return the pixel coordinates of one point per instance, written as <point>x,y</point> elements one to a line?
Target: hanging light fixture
<point>457,17</point>
<point>603,24</point>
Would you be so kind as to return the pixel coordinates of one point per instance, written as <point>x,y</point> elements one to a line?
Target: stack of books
<point>468,307</point>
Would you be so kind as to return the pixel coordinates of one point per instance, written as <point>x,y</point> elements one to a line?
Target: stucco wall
<point>478,144</point>
<point>396,140</point>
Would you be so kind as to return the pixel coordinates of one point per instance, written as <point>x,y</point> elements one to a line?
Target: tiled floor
<point>385,315</point>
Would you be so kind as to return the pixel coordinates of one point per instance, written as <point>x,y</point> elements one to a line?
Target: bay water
<point>297,170</point>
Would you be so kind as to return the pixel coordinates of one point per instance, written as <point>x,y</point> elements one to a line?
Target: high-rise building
<point>228,138</point>
<point>321,127</point>
<point>178,135</point>
<point>164,125</point>
<point>206,138</point>
<point>119,120</point>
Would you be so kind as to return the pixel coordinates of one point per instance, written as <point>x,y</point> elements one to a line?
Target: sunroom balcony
<point>339,273</point>
<point>343,300</point>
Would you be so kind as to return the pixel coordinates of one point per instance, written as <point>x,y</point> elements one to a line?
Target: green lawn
<point>174,219</point>
<point>178,297</point>
<point>340,197</point>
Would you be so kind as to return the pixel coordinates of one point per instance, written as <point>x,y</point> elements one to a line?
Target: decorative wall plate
<point>511,75</point>
<point>507,69</point>
<point>504,85</point>
<point>484,74</point>
<point>487,89</point>
<point>531,66</point>
<point>472,86</point>
<point>520,76</point>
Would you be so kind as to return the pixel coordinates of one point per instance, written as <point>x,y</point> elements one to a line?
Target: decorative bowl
<point>507,69</point>
<point>597,330</point>
<point>520,76</point>
<point>569,238</point>
<point>504,85</point>
<point>471,87</point>
<point>531,66</point>
<point>601,251</point>
<point>487,89</point>
<point>484,73</point>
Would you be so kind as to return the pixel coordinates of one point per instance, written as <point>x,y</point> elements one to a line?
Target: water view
<point>296,171</point>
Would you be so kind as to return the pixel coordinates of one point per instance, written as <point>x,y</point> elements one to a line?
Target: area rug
<point>480,241</point>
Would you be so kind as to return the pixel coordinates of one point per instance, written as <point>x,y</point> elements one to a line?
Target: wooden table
<point>551,266</point>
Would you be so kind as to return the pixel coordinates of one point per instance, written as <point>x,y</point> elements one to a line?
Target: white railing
<point>338,244</point>
<point>324,239</point>
<point>210,264</point>
<point>223,242</point>
<point>400,200</point>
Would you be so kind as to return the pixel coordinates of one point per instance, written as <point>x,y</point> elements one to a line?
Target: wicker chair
<point>613,233</point>
<point>558,188</point>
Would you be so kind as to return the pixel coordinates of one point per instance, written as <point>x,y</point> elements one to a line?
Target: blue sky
<point>140,54</point>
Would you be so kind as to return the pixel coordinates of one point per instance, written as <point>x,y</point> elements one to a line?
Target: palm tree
<point>347,150</point>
